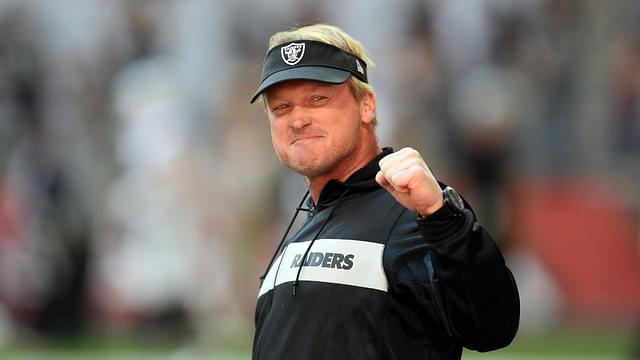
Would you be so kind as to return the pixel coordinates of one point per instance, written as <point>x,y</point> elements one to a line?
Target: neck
<point>346,168</point>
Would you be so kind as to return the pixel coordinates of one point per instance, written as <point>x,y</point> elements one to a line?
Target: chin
<point>307,166</point>
<point>307,169</point>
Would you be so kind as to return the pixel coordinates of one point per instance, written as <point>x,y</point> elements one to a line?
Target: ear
<point>368,107</point>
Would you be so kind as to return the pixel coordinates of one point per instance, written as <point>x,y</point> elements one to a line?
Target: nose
<point>299,118</point>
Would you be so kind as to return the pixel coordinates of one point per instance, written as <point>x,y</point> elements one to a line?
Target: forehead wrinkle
<point>299,86</point>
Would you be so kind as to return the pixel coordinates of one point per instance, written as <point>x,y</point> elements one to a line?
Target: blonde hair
<point>331,35</point>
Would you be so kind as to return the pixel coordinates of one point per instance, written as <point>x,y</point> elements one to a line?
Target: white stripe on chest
<point>336,261</point>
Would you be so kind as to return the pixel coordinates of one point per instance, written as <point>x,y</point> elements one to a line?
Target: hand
<point>407,177</point>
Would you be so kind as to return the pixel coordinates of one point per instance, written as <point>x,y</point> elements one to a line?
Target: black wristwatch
<point>453,206</point>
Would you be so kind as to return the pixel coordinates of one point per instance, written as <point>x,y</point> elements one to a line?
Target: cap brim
<point>316,73</point>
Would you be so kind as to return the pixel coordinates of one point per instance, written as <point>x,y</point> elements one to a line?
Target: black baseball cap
<point>309,60</point>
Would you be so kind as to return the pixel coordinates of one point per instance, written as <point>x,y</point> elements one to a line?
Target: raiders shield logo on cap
<point>292,53</point>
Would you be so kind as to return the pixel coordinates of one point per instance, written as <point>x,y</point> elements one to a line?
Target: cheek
<point>278,135</point>
<point>350,125</point>
<point>274,125</point>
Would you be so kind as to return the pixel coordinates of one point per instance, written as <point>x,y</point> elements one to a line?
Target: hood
<point>363,180</point>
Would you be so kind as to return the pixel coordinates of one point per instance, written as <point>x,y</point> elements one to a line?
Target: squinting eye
<point>318,100</point>
<point>280,107</point>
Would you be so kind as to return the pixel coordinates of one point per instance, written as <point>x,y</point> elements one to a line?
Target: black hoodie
<point>377,283</point>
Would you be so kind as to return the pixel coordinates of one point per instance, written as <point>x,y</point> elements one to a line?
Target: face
<point>317,128</point>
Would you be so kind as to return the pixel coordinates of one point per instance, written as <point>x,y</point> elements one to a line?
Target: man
<point>390,264</point>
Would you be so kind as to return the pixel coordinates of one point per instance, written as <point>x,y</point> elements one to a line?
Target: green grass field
<point>566,344</point>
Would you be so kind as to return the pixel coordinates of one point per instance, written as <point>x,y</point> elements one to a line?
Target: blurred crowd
<point>138,188</point>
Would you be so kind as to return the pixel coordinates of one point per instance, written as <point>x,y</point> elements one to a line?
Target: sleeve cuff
<point>446,232</point>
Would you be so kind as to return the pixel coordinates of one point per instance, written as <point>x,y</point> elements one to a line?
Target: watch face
<point>454,198</point>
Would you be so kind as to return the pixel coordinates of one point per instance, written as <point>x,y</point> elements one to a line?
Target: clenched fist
<point>407,177</point>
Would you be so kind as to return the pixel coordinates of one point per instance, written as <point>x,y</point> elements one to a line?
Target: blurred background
<point>140,198</point>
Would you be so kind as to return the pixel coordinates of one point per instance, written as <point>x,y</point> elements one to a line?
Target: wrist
<point>425,213</point>
<point>450,206</point>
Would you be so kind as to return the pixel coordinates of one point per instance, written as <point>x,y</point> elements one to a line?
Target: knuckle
<point>410,151</point>
<point>395,178</point>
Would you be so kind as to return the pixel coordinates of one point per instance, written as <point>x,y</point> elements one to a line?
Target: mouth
<point>305,138</point>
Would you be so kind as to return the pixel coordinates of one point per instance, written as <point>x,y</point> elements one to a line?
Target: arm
<point>471,290</point>
<point>477,291</point>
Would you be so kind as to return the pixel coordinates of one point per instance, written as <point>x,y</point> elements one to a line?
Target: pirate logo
<point>359,67</point>
<point>292,53</point>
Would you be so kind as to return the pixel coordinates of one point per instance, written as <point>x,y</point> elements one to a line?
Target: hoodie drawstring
<point>306,253</point>
<point>275,254</point>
